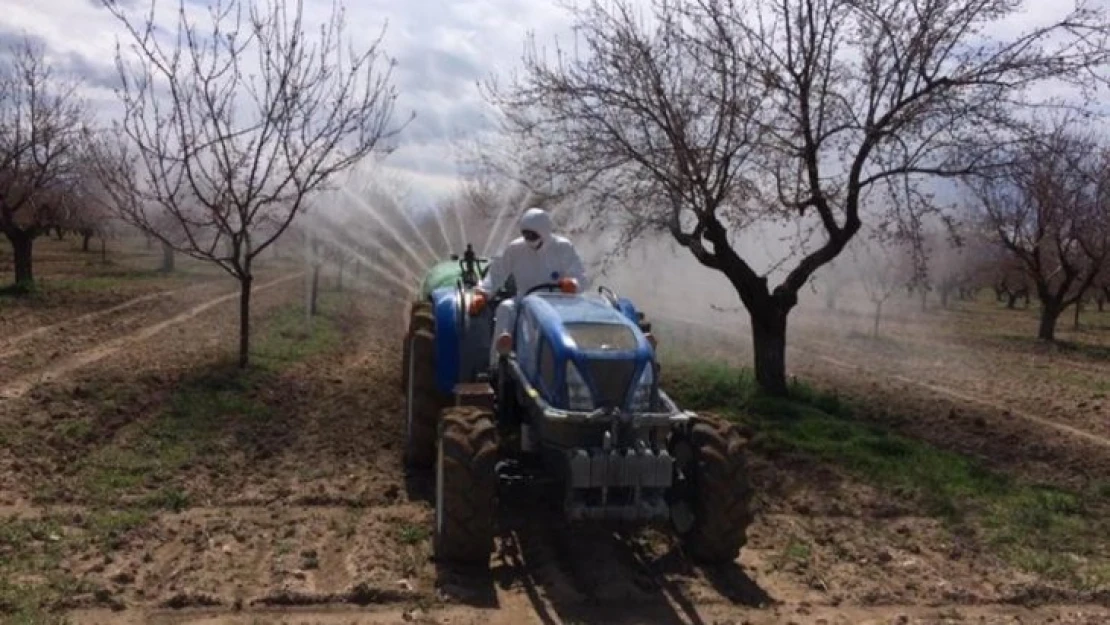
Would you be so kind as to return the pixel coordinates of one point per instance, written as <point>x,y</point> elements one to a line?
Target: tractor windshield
<point>602,336</point>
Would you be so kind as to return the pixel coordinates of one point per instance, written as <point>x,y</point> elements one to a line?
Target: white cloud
<point>442,49</point>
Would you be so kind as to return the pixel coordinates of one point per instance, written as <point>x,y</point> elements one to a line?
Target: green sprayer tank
<point>445,273</point>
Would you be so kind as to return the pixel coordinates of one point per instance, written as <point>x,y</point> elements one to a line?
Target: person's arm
<point>497,275</point>
<point>574,268</point>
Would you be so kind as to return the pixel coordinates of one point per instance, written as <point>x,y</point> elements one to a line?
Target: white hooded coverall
<point>555,258</point>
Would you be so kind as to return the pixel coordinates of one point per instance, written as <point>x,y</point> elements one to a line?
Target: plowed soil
<point>285,501</point>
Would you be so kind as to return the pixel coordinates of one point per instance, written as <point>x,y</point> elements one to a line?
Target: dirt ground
<point>131,493</point>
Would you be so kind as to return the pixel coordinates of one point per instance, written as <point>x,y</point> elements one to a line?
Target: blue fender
<point>445,310</point>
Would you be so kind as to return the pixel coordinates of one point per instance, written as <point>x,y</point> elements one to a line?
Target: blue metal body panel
<point>445,310</point>
<point>545,317</point>
<point>552,312</point>
<point>626,306</point>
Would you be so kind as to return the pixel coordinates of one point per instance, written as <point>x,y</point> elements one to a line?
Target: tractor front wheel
<point>423,401</point>
<point>466,485</point>
<point>420,319</point>
<point>712,511</point>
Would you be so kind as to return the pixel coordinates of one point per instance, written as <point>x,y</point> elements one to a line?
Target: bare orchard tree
<point>40,123</point>
<point>230,126</point>
<point>883,265</point>
<point>1050,208</point>
<point>715,117</point>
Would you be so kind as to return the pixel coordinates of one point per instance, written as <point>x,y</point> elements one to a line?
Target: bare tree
<point>1049,209</point>
<point>883,266</point>
<point>715,117</point>
<point>40,122</point>
<point>230,127</point>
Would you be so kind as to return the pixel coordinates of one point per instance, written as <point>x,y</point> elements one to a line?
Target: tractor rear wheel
<point>423,401</point>
<point>717,490</point>
<point>466,485</point>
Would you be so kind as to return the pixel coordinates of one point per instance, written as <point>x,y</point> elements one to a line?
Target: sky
<point>442,49</point>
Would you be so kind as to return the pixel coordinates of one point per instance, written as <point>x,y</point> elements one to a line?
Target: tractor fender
<point>445,309</point>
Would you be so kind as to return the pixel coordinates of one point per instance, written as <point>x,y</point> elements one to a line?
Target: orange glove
<point>568,285</point>
<point>478,304</point>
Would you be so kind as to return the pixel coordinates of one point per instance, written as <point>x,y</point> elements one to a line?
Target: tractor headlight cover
<point>641,393</point>
<point>578,393</point>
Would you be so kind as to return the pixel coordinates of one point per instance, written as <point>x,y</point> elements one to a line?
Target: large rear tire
<point>717,492</point>
<point>466,486</point>
<point>423,401</point>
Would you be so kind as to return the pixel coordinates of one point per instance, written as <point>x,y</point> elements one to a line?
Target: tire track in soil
<point>954,394</point>
<point>23,384</point>
<point>9,345</point>
<point>934,388</point>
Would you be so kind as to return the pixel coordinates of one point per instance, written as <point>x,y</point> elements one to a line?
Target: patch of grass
<point>75,430</point>
<point>797,550</point>
<point>286,340</point>
<point>26,604</point>
<point>1029,343</point>
<point>108,527</point>
<point>412,534</point>
<point>32,584</point>
<point>1055,533</point>
<point>106,279</point>
<point>20,290</point>
<point>208,415</point>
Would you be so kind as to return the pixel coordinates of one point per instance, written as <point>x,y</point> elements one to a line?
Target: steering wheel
<point>550,286</point>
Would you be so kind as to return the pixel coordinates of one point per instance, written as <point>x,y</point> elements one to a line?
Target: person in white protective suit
<point>537,257</point>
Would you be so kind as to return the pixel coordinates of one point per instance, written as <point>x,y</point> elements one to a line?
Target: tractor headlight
<point>578,393</point>
<point>641,393</point>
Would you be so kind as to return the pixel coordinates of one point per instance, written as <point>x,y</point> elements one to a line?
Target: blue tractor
<point>571,401</point>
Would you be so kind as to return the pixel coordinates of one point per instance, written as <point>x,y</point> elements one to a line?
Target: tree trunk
<point>21,250</point>
<point>924,302</point>
<point>1078,309</point>
<point>315,288</point>
<point>59,233</point>
<point>769,338</point>
<point>244,320</point>
<point>1012,302</point>
<point>167,258</point>
<point>1050,312</point>
<point>103,250</point>
<point>85,238</point>
<point>878,314</point>
<point>944,293</point>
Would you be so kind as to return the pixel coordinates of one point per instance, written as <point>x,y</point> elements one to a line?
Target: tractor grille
<point>612,379</point>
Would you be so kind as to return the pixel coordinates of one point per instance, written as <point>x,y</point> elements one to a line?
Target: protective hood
<point>538,221</point>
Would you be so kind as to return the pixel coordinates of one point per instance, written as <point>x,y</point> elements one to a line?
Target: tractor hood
<point>589,324</point>
<point>600,357</point>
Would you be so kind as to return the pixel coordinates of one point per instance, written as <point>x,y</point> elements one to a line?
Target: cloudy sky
<point>442,48</point>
